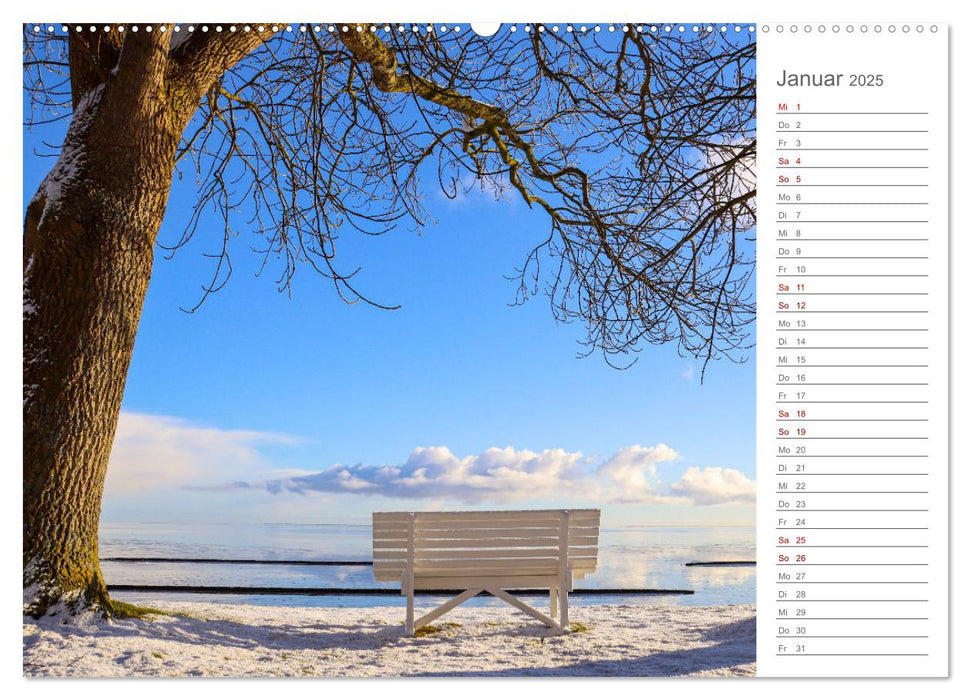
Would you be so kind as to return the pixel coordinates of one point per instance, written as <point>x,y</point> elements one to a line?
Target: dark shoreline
<point>326,562</point>
<point>289,562</point>
<point>274,590</point>
<point>720,563</point>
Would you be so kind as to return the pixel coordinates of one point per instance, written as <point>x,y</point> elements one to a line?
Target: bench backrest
<point>485,543</point>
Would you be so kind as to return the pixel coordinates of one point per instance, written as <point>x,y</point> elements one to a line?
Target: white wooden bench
<point>493,551</point>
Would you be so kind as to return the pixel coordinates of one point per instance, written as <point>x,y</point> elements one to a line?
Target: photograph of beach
<point>388,350</point>
<point>704,625</point>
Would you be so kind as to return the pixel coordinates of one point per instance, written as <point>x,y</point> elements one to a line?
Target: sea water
<point>629,557</point>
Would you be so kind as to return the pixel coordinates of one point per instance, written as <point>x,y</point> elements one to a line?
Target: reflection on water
<point>630,557</point>
<point>221,541</point>
<point>720,576</point>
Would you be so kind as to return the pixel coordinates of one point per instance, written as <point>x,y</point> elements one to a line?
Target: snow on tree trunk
<point>89,234</point>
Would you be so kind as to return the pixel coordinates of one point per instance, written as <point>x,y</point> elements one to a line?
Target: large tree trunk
<point>89,234</point>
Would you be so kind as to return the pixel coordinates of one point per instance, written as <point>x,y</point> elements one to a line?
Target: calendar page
<point>387,349</point>
<point>852,383</point>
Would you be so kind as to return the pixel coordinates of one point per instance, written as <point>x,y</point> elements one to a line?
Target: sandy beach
<point>247,640</point>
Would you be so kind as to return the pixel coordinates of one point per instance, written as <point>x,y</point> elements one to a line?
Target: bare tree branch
<point>197,62</point>
<point>639,147</point>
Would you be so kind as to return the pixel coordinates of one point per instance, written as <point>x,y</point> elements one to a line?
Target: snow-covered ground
<point>249,640</point>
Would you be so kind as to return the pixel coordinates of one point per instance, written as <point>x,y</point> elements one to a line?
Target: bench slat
<point>574,563</point>
<point>399,537</point>
<point>488,571</point>
<point>486,553</point>
<point>446,514</point>
<point>537,528</point>
<point>505,582</point>
<point>483,552</point>
<point>439,519</point>
<point>538,521</point>
<point>473,575</point>
<point>480,573</point>
<point>502,531</point>
<point>538,516</point>
<point>504,565</point>
<point>490,565</point>
<point>496,521</point>
<point>484,544</point>
<point>477,542</point>
<point>454,533</point>
<point>541,521</point>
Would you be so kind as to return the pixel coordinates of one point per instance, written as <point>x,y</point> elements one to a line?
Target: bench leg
<point>564,608</point>
<point>553,602</point>
<point>410,614</point>
<point>516,603</point>
<point>445,607</point>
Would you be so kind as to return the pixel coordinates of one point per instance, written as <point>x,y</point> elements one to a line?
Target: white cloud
<point>152,452</point>
<point>739,179</point>
<point>497,475</point>
<point>155,453</point>
<point>714,485</point>
<point>733,170</point>
<point>630,475</point>
<point>505,475</point>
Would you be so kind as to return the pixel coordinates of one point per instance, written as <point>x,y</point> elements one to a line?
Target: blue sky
<point>240,412</point>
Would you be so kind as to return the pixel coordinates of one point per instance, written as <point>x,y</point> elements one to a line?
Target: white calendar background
<point>914,67</point>
<point>852,349</point>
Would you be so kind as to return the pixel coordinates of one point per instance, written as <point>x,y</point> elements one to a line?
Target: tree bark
<point>89,234</point>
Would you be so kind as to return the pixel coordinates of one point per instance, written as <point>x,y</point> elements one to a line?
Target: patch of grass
<point>426,630</point>
<point>123,611</point>
<point>157,655</point>
<point>578,627</point>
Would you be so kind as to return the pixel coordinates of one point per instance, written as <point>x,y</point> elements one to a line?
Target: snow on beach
<point>248,640</point>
